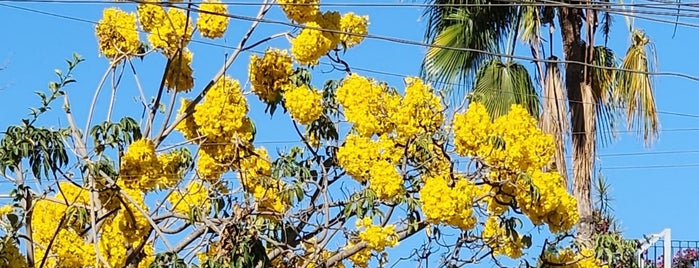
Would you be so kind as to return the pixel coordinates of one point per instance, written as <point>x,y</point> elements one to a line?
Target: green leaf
<point>499,85</point>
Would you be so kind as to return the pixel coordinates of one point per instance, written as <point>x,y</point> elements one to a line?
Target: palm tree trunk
<point>583,113</point>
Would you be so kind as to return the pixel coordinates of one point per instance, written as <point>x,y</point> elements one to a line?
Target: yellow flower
<point>358,154</point>
<point>117,34</point>
<point>140,167</point>
<point>304,104</point>
<point>210,24</point>
<point>501,241</point>
<point>6,209</point>
<point>11,257</point>
<point>195,195</point>
<point>377,237</point>
<point>356,26</point>
<point>223,110</point>
<point>367,105</point>
<point>187,126</point>
<point>269,74</point>
<point>311,44</point>
<point>420,110</point>
<point>300,11</point>
<point>443,204</point>
<point>151,15</point>
<point>179,74</point>
<point>385,180</point>
<point>173,33</point>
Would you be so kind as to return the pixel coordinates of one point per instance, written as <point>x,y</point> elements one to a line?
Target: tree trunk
<point>583,113</point>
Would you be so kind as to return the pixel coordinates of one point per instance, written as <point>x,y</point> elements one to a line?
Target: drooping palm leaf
<point>499,84</point>
<point>530,24</point>
<point>473,27</point>
<point>554,116</point>
<point>635,89</point>
<point>603,83</point>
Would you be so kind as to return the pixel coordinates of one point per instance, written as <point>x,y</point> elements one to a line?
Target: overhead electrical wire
<point>397,40</point>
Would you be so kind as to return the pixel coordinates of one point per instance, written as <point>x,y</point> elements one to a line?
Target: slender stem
<point>154,108</point>
<point>95,96</point>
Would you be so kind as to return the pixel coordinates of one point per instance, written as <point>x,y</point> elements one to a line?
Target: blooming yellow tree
<point>373,166</point>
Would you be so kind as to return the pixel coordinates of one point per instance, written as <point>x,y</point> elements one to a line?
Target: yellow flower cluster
<point>171,33</point>
<point>367,104</point>
<point>359,153</point>
<point>151,15</point>
<point>269,74</point>
<point>511,146</point>
<point>6,209</point>
<point>385,180</point>
<point>254,168</point>
<point>500,241</point>
<point>354,28</point>
<point>443,204</point>
<point>377,237</point>
<point>511,142</point>
<point>304,103</point>
<point>361,258</point>
<point>311,44</point>
<point>321,34</point>
<point>567,258</point>
<point>222,119</point>
<point>194,196</point>
<point>11,257</point>
<point>373,160</point>
<point>178,75</point>
<point>300,11</point>
<point>187,127</point>
<point>420,110</point>
<point>142,169</point>
<point>553,205</point>
<point>210,24</point>
<point>117,34</point>
<point>255,174</point>
<point>125,229</point>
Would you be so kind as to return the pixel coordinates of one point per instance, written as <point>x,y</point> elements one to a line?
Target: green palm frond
<point>530,24</point>
<point>635,88</point>
<point>480,28</point>
<point>499,84</point>
<point>554,116</point>
<point>603,84</point>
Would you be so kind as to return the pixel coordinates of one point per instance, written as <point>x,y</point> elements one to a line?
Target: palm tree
<point>582,101</point>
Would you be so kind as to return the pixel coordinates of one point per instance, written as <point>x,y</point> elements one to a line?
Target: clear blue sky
<point>651,186</point>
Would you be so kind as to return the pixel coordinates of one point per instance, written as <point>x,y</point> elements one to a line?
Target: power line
<point>383,38</point>
<point>505,3</point>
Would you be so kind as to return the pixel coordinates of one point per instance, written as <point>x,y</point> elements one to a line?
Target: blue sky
<point>652,186</point>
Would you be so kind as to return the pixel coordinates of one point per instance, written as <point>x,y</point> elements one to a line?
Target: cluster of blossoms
<point>221,120</point>
<point>304,103</point>
<point>373,160</point>
<point>323,31</point>
<point>194,196</point>
<point>179,76</point>
<point>120,232</point>
<point>443,204</point>
<point>377,238</point>
<point>516,152</point>
<point>496,236</point>
<point>367,104</point>
<point>269,74</point>
<point>375,110</point>
<point>143,169</point>
<point>568,258</point>
<point>212,21</point>
<point>117,34</point>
